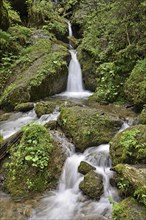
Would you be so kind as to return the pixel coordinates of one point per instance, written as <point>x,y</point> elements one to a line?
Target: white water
<point>67,202</point>
<point>18,120</point>
<point>75,86</point>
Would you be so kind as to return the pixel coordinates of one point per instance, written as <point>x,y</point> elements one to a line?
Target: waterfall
<point>75,82</point>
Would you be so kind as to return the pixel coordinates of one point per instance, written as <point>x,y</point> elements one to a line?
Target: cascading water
<point>67,202</point>
<point>74,82</point>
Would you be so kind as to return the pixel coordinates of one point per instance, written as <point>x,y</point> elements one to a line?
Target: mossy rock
<point>24,107</point>
<point>128,209</point>
<point>131,180</point>
<point>135,86</point>
<point>32,163</point>
<point>87,127</point>
<point>129,146</point>
<point>52,125</point>
<point>34,73</point>
<point>45,107</point>
<point>142,117</point>
<point>92,185</point>
<point>85,167</point>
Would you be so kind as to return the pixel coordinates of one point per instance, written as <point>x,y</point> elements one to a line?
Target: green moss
<point>1,140</point>
<point>92,185</point>
<point>28,168</point>
<point>129,146</point>
<point>85,167</point>
<point>142,116</point>
<point>109,83</point>
<point>135,86</point>
<point>128,209</point>
<point>35,73</point>
<point>87,127</point>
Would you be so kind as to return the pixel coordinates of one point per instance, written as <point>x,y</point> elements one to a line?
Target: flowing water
<point>18,120</point>
<point>67,202</point>
<point>75,86</point>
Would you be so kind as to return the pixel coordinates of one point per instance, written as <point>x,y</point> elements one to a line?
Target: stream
<point>67,202</point>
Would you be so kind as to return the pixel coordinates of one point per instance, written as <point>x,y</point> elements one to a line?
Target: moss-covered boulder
<point>52,124</point>
<point>1,140</point>
<point>34,74</point>
<point>45,107</point>
<point>129,146</point>
<point>85,167</point>
<point>131,180</point>
<point>24,107</point>
<point>92,185</point>
<point>142,117</point>
<point>87,127</point>
<point>128,209</point>
<point>135,86</point>
<point>33,163</point>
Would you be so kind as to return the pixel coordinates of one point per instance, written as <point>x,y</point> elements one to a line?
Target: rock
<point>129,209</point>
<point>142,117</point>
<point>35,164</point>
<point>34,74</point>
<point>52,125</point>
<point>135,88</point>
<point>24,107</point>
<point>4,116</point>
<point>85,167</point>
<point>45,107</point>
<point>129,146</point>
<point>88,127</point>
<point>92,185</point>
<point>132,180</point>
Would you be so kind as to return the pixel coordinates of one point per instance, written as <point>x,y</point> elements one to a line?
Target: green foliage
<point>129,146</point>
<point>109,83</point>
<point>123,186</point>
<point>28,168</point>
<point>140,194</point>
<point>135,87</point>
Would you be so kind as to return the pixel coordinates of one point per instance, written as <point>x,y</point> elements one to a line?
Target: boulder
<point>52,125</point>
<point>45,107</point>
<point>34,74</point>
<point>129,209</point>
<point>131,180</point>
<point>24,107</point>
<point>92,185</point>
<point>35,163</point>
<point>129,146</point>
<point>88,127</point>
<point>85,168</point>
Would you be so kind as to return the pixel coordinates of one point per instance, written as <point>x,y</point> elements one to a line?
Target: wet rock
<point>52,125</point>
<point>24,107</point>
<point>85,167</point>
<point>92,185</point>
<point>88,127</point>
<point>45,107</point>
<point>129,209</point>
<point>36,163</point>
<point>34,74</point>
<point>4,116</point>
<point>129,146</point>
<point>132,180</point>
